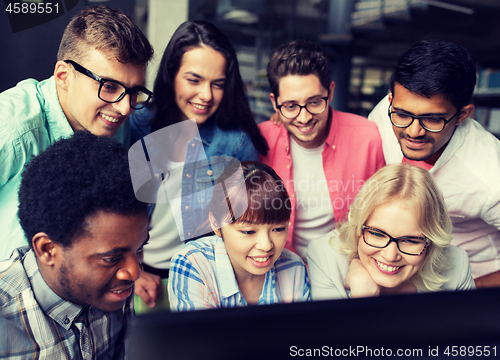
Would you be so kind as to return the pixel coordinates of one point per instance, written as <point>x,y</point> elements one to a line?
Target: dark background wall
<point>31,53</point>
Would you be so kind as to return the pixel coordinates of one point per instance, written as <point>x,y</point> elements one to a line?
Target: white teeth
<point>305,128</point>
<point>260,259</point>
<point>109,118</point>
<point>200,107</point>
<point>387,268</point>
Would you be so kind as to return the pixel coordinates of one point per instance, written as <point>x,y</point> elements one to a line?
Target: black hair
<point>432,67</point>
<point>234,111</point>
<point>299,57</point>
<point>72,180</point>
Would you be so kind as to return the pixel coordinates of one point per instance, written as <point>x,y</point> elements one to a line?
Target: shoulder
<point>231,142</point>
<point>271,131</point>
<point>289,259</point>
<point>13,277</point>
<point>459,273</point>
<point>140,123</point>
<point>355,122</point>
<point>22,106</point>
<point>203,247</point>
<point>321,249</point>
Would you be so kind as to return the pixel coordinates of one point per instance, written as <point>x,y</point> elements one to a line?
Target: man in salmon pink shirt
<point>323,156</point>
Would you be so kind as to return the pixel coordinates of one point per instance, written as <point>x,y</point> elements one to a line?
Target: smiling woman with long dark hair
<point>198,80</point>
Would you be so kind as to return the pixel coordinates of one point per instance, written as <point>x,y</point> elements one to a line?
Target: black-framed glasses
<point>314,107</point>
<point>428,122</point>
<point>409,245</point>
<point>111,91</point>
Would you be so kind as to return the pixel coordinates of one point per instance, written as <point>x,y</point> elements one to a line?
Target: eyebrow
<point>201,77</point>
<point>309,98</point>
<point>426,114</point>
<point>120,250</point>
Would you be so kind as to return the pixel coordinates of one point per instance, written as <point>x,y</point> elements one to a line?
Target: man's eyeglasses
<point>111,91</point>
<point>409,245</point>
<point>314,107</point>
<point>429,123</point>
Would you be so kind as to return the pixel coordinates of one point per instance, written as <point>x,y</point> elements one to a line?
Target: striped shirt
<point>36,323</point>
<point>201,277</point>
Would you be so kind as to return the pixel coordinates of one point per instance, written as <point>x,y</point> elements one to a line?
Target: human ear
<point>214,224</point>
<point>45,249</point>
<point>61,74</point>
<point>273,101</point>
<point>331,90</point>
<point>465,113</point>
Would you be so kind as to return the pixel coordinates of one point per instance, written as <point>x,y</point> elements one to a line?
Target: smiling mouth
<point>260,259</point>
<point>110,118</point>
<point>305,129</point>
<point>200,107</point>
<point>387,267</point>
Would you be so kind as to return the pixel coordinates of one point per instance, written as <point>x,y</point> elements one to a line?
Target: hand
<point>360,282</point>
<point>148,287</point>
<point>275,118</point>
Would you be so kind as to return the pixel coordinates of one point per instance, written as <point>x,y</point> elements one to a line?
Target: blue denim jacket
<point>222,148</point>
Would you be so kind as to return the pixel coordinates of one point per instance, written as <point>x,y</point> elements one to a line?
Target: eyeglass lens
<point>111,92</point>
<point>292,110</point>
<point>408,245</point>
<point>432,123</point>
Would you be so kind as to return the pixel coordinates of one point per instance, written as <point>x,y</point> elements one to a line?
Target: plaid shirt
<point>36,323</point>
<point>201,276</point>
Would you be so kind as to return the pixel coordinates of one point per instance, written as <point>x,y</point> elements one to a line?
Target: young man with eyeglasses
<point>323,156</point>
<point>97,83</point>
<point>429,111</point>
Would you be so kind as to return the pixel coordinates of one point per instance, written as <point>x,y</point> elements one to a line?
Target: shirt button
<point>333,147</point>
<point>288,166</point>
<point>293,195</point>
<point>210,172</point>
<point>189,234</point>
<point>290,223</point>
<point>66,320</point>
<point>192,145</point>
<point>286,149</point>
<point>188,176</point>
<point>157,176</point>
<point>187,207</point>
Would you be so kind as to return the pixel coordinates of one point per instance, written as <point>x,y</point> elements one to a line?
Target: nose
<point>415,129</point>
<point>132,269</point>
<point>264,242</point>
<point>304,116</point>
<point>391,252</point>
<point>123,106</point>
<point>205,93</point>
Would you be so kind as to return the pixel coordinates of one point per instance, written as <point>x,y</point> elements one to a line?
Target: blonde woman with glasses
<point>396,240</point>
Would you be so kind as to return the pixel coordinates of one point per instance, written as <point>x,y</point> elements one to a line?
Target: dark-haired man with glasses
<point>323,156</point>
<point>429,111</point>
<point>97,83</point>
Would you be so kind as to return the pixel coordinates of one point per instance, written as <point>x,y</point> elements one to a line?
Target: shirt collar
<point>333,130</point>
<point>207,130</point>
<point>224,270</point>
<point>456,141</point>
<point>59,126</point>
<point>61,311</point>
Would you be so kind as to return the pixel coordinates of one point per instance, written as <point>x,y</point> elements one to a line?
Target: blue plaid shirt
<point>201,276</point>
<point>36,323</point>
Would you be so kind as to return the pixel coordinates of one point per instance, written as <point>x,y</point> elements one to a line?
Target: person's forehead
<point>297,87</point>
<point>409,100</point>
<point>111,232</point>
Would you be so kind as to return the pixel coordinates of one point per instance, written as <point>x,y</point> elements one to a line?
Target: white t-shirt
<point>166,220</point>
<point>314,212</point>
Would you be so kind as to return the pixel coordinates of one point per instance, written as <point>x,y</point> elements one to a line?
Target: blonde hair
<point>417,187</point>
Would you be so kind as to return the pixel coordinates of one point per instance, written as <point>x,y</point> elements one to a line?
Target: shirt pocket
<point>206,176</point>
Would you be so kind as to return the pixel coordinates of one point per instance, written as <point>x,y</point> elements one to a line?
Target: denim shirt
<point>206,157</point>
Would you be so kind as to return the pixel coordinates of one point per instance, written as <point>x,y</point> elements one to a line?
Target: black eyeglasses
<point>409,245</point>
<point>292,110</point>
<point>111,91</point>
<point>430,123</point>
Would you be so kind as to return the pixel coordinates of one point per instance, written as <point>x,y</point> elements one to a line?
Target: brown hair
<point>263,199</point>
<point>107,30</point>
